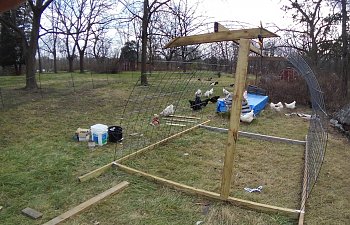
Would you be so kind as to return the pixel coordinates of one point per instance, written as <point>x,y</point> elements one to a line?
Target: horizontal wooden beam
<point>179,120</point>
<point>85,205</point>
<point>219,28</point>
<point>186,117</point>
<point>97,172</point>
<point>220,36</point>
<point>196,191</point>
<point>257,136</point>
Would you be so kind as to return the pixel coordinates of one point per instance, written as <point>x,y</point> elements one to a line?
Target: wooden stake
<point>304,192</point>
<point>97,172</point>
<point>240,79</point>
<point>85,205</point>
<point>196,191</point>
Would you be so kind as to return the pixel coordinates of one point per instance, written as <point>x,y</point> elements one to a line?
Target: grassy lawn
<point>40,161</point>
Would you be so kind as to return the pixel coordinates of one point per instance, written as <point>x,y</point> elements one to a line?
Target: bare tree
<point>149,8</point>
<point>313,28</point>
<point>30,44</point>
<point>50,38</point>
<point>345,54</point>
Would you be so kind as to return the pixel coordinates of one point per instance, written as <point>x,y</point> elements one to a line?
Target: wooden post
<point>240,79</point>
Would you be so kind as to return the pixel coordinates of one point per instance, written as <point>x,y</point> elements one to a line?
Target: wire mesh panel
<point>317,134</point>
<point>171,85</point>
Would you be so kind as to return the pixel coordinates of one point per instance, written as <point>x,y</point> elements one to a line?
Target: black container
<point>115,134</point>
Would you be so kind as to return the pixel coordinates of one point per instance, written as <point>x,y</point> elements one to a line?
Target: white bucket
<point>99,134</point>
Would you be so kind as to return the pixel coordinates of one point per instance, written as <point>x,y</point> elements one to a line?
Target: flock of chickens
<point>247,117</point>
<point>279,106</point>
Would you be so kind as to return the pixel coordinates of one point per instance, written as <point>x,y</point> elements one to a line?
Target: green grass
<point>40,163</point>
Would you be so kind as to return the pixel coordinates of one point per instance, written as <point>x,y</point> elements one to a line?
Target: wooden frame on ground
<point>242,37</point>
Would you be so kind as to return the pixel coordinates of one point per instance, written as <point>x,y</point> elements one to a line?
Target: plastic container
<point>115,134</point>
<point>99,134</point>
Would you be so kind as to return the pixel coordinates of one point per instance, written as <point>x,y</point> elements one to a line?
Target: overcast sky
<point>248,11</point>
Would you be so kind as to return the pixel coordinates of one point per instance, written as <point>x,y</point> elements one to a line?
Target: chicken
<point>198,103</point>
<point>198,93</point>
<point>226,92</point>
<point>276,107</point>
<point>214,99</point>
<point>290,105</point>
<point>208,93</point>
<point>248,117</point>
<point>245,95</point>
<point>169,110</point>
<point>214,83</point>
<point>279,104</point>
<point>272,105</point>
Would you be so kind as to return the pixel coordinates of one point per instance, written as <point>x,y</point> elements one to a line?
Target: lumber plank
<point>176,124</point>
<point>292,213</point>
<point>219,27</point>
<point>220,36</point>
<point>304,191</point>
<point>187,117</point>
<point>97,172</point>
<point>240,79</point>
<point>257,136</point>
<point>85,205</point>
<point>180,120</point>
<point>32,213</point>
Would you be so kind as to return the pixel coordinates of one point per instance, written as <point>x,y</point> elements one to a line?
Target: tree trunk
<point>31,51</point>
<point>81,61</point>
<point>40,63</point>
<point>70,64</point>
<point>144,43</point>
<point>344,84</point>
<point>54,61</point>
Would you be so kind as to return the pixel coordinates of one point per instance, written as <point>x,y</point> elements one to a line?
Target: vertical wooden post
<point>240,79</point>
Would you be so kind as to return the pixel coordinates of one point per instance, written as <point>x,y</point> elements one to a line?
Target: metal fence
<point>317,134</point>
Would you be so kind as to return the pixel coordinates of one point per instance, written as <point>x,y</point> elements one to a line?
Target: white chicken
<point>208,93</point>
<point>248,117</point>
<point>279,104</point>
<point>169,110</point>
<point>198,93</point>
<point>290,105</point>
<point>276,107</point>
<point>272,105</point>
<point>225,92</point>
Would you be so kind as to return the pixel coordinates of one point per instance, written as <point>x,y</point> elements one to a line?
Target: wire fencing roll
<point>317,134</point>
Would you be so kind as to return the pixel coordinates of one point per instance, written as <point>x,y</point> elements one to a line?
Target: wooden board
<point>187,117</point>
<point>97,172</point>
<point>220,36</point>
<point>257,136</point>
<point>304,191</point>
<point>32,213</point>
<point>292,213</point>
<point>240,80</point>
<point>218,28</point>
<point>180,120</point>
<point>85,205</point>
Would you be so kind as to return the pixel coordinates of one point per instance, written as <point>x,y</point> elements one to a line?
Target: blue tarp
<point>256,102</point>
